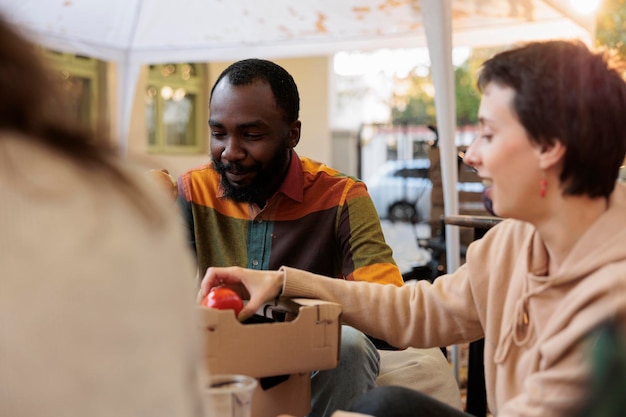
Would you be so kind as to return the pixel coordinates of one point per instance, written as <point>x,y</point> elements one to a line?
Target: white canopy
<point>153,31</point>
<point>135,32</point>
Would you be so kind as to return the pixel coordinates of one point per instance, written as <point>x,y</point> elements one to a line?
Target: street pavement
<point>403,239</point>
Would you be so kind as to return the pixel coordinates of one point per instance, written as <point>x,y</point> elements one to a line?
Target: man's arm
<point>366,256</point>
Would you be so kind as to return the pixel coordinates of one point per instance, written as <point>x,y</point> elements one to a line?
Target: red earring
<point>543,185</point>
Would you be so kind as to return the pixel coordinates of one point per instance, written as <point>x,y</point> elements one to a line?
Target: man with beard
<point>259,205</point>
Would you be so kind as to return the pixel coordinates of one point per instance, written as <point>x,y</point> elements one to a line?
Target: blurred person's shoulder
<point>204,174</point>
<point>204,169</point>
<point>33,172</point>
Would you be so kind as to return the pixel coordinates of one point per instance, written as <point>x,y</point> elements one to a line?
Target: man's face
<point>250,140</point>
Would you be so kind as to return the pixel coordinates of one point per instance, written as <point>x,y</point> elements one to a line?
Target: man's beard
<point>259,189</point>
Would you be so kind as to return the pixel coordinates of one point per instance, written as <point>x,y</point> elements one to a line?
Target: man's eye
<point>217,134</point>
<point>253,136</point>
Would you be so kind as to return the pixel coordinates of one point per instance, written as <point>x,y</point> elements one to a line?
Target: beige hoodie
<point>535,326</point>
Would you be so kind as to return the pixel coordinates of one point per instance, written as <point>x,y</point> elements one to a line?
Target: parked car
<point>401,190</point>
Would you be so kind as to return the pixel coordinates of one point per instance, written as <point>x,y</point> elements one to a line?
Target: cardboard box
<point>292,397</point>
<point>308,340</point>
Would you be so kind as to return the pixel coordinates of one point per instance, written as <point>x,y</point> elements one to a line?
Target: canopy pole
<point>437,18</point>
<point>127,76</point>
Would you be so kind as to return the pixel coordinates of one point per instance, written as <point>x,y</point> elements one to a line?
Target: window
<point>174,111</point>
<point>82,79</point>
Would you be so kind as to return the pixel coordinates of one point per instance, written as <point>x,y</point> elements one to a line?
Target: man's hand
<point>261,286</point>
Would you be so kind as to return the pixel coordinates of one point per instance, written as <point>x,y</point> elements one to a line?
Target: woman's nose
<point>471,156</point>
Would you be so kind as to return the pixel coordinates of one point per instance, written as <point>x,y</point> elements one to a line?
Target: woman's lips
<point>487,191</point>
<point>486,197</point>
<point>487,201</point>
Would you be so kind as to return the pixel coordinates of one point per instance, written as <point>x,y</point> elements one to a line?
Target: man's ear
<point>551,155</point>
<point>294,133</point>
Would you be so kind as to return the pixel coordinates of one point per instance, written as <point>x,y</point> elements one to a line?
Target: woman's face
<point>505,157</point>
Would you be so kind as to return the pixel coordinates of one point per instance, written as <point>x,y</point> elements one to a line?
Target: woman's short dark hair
<point>283,86</point>
<point>565,92</point>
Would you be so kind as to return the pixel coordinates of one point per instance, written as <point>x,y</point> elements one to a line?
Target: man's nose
<point>233,151</point>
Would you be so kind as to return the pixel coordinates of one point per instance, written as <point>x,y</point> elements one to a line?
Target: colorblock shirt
<point>319,220</point>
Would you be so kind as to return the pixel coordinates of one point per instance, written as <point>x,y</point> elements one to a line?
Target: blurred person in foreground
<point>258,204</point>
<point>96,281</point>
<point>536,286</point>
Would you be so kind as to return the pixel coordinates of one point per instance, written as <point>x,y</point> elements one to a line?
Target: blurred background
<point>144,69</point>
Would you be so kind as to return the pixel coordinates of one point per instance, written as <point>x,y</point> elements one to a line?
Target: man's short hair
<point>249,71</point>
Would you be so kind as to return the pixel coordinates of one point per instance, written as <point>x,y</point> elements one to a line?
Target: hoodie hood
<point>602,244</point>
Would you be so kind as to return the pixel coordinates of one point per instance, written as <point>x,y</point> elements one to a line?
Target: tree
<point>414,102</point>
<point>610,23</point>
<point>467,97</point>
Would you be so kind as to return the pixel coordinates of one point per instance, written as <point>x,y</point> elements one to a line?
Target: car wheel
<point>402,212</point>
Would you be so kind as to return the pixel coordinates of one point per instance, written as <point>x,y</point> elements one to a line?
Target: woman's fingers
<point>214,277</point>
<point>258,286</point>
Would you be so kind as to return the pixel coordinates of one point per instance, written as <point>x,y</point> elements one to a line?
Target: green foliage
<point>611,25</point>
<point>467,97</point>
<point>416,105</point>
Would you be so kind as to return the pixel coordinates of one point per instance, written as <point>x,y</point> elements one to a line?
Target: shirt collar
<point>293,184</point>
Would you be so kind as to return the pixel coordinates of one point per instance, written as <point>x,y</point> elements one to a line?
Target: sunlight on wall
<point>398,62</point>
<point>585,6</point>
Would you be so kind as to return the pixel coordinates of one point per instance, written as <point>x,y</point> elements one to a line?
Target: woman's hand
<point>340,413</point>
<point>337,413</point>
<point>261,286</point>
